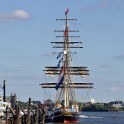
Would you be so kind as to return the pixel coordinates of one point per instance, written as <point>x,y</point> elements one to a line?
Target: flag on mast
<point>60,79</point>
<point>65,32</point>
<point>67,10</point>
<point>59,55</point>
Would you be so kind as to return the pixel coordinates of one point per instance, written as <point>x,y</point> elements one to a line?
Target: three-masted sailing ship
<point>66,107</point>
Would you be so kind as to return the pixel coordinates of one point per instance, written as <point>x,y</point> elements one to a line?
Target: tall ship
<point>66,106</point>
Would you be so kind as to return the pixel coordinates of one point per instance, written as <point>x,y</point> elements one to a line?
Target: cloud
<point>24,77</point>
<point>101,4</point>
<point>104,25</point>
<point>15,15</point>
<point>105,4</point>
<point>113,88</point>
<point>50,54</point>
<point>15,77</point>
<point>5,69</point>
<point>105,65</point>
<point>119,57</point>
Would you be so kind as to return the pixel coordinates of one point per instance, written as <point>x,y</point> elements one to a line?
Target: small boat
<point>66,108</point>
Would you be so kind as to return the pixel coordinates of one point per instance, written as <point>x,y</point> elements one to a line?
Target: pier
<point>15,114</point>
<point>35,114</point>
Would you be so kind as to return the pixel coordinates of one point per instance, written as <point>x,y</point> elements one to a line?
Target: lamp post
<point>4,91</point>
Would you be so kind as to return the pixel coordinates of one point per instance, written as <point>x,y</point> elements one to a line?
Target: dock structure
<point>15,114</point>
<point>35,114</point>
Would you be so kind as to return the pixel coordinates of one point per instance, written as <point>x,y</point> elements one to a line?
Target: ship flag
<point>59,55</point>
<point>65,32</point>
<point>58,65</point>
<point>60,79</point>
<point>67,10</point>
<point>60,60</point>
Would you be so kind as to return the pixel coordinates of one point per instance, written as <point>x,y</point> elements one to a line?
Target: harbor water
<point>101,118</point>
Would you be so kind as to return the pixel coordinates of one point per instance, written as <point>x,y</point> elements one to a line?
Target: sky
<point>27,28</point>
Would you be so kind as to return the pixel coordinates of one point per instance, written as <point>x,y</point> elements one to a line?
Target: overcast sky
<point>27,28</point>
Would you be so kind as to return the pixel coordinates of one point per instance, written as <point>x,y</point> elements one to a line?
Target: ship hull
<point>65,117</point>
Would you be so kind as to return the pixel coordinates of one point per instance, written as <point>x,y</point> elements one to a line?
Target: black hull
<point>65,117</point>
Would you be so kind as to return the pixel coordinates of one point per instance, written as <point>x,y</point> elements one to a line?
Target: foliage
<point>23,104</point>
<point>82,106</point>
<point>100,107</point>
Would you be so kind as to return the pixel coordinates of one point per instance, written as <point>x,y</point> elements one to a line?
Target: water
<point>101,118</point>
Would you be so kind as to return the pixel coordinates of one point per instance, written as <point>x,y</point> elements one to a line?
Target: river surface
<point>101,118</point>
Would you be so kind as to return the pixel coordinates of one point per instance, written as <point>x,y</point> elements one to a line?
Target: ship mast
<point>66,62</point>
<point>66,90</point>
